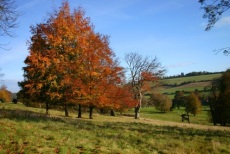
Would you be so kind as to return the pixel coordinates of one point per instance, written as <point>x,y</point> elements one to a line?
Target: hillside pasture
<point>199,78</point>
<point>187,87</point>
<point>202,83</point>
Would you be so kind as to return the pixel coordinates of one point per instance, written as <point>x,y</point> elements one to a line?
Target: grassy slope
<point>197,82</point>
<point>105,134</point>
<point>179,80</point>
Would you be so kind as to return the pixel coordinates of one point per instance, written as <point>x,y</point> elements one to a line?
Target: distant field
<point>201,83</point>
<point>187,87</point>
<point>153,133</point>
<point>199,78</point>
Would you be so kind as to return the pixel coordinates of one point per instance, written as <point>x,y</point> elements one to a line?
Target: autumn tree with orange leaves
<point>69,63</point>
<point>52,70</point>
<point>101,71</point>
<point>142,71</point>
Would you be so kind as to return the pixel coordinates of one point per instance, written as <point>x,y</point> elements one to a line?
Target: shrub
<point>161,102</point>
<point>193,104</point>
<point>5,95</point>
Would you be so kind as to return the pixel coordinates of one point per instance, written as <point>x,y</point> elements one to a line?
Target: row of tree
<point>191,74</point>
<point>64,63</point>
<point>70,64</point>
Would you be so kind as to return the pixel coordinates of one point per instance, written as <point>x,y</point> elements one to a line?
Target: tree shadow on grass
<point>153,112</point>
<point>30,116</point>
<point>87,124</point>
<point>134,133</point>
<point>27,115</point>
<point>146,129</point>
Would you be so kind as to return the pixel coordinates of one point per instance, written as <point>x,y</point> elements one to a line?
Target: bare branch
<point>225,51</point>
<point>8,17</point>
<point>214,11</point>
<point>142,70</point>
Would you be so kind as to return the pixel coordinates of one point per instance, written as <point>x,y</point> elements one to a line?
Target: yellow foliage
<point>39,86</point>
<point>5,96</point>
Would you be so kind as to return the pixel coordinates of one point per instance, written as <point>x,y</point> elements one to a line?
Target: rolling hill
<point>202,83</point>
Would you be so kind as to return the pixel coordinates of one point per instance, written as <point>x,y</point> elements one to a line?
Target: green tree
<point>178,100</point>
<point>193,104</point>
<point>219,99</point>
<point>161,102</point>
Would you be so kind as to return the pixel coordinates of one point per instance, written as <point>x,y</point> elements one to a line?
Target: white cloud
<point>224,21</point>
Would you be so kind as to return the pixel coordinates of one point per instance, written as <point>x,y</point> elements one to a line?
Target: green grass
<point>201,83</point>
<point>182,88</point>
<point>153,133</point>
<point>175,116</point>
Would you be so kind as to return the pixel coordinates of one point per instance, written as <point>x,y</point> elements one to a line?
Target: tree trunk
<point>66,111</point>
<point>188,116</point>
<point>47,108</point>
<point>137,111</point>
<point>79,111</point>
<point>91,112</point>
<point>212,112</point>
<point>112,113</point>
<point>137,108</point>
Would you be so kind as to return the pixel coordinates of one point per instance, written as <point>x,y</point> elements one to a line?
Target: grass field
<point>175,115</point>
<point>201,83</point>
<point>153,133</point>
<point>198,78</point>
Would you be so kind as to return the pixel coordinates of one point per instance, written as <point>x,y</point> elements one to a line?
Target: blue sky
<point>172,30</point>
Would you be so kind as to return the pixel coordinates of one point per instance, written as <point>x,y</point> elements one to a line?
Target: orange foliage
<point>69,62</point>
<point>148,76</point>
<point>121,97</point>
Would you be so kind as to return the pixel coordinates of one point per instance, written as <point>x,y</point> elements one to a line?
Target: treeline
<point>191,74</point>
<point>70,65</point>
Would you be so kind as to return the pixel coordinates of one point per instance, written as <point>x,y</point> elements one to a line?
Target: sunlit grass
<point>201,83</point>
<point>199,78</point>
<point>175,115</point>
<point>106,134</point>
